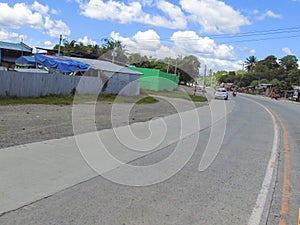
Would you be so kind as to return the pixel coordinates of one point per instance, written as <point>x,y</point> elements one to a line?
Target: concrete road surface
<point>251,178</point>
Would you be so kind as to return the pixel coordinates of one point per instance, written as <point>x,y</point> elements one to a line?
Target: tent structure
<point>25,61</point>
<point>61,63</point>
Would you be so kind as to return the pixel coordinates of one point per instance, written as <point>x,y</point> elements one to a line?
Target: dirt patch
<point>22,124</point>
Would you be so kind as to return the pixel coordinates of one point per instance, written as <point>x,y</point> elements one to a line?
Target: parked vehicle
<point>275,96</point>
<point>296,95</point>
<point>221,93</point>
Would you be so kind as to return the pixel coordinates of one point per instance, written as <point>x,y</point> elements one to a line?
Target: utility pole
<point>204,77</point>
<point>60,39</point>
<point>114,54</point>
<point>168,65</point>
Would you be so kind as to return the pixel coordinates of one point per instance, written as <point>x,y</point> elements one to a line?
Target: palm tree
<point>250,63</point>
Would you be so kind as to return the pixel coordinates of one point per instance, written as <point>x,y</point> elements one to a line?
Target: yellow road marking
<point>286,194</point>
<point>299,217</point>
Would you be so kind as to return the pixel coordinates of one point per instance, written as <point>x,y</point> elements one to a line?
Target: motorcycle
<point>234,93</point>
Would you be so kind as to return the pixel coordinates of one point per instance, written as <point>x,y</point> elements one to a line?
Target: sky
<point>222,34</point>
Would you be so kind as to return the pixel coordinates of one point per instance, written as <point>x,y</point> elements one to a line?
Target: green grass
<point>147,100</point>
<point>143,98</point>
<point>68,99</point>
<point>176,94</point>
<point>46,100</point>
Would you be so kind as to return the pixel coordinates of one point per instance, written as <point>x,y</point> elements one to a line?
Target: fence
<point>24,84</point>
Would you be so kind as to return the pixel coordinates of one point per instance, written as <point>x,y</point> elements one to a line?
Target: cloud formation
<point>133,12</point>
<point>36,16</point>
<point>214,16</point>
<point>269,14</point>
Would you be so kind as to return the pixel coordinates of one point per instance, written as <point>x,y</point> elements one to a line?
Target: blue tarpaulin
<point>25,61</point>
<point>59,62</point>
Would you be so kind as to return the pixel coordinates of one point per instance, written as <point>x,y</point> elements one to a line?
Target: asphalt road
<point>224,193</point>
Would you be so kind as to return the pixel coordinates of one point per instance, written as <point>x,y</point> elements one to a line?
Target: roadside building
<point>9,52</point>
<point>114,79</point>
<point>156,80</point>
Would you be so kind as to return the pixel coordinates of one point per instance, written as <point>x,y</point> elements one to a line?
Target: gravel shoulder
<point>21,124</point>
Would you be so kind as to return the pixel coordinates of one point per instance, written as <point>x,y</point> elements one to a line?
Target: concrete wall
<point>40,84</point>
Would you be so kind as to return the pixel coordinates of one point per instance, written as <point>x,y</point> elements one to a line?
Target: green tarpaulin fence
<point>154,79</point>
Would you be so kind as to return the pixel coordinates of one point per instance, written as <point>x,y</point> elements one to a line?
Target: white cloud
<point>182,43</point>
<point>150,40</point>
<point>18,16</point>
<point>287,51</point>
<point>87,41</point>
<point>56,28</point>
<point>214,16</point>
<point>35,16</point>
<point>54,11</point>
<point>133,12</point>
<point>11,36</point>
<point>145,43</point>
<point>195,44</point>
<point>36,6</point>
<point>220,64</point>
<point>252,51</point>
<point>48,43</point>
<point>269,14</point>
<point>225,52</point>
<point>146,2</point>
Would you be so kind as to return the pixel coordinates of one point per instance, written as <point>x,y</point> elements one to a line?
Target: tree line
<point>281,73</point>
<point>187,68</point>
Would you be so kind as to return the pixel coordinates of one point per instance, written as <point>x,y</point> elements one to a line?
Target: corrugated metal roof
<point>15,46</point>
<point>105,66</point>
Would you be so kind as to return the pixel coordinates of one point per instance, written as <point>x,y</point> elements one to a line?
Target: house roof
<point>105,66</point>
<point>15,46</point>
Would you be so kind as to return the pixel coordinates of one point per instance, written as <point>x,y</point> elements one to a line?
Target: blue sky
<point>222,34</point>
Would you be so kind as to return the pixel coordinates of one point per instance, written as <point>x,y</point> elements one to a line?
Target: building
<point>9,52</point>
<point>156,80</point>
<point>115,79</point>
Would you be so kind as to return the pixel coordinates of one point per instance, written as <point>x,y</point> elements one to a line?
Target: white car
<point>221,93</point>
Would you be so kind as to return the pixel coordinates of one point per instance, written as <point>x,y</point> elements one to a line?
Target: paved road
<point>287,184</point>
<point>225,193</point>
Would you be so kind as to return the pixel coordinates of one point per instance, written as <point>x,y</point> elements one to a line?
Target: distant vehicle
<point>296,94</point>
<point>234,93</point>
<point>275,96</point>
<point>221,93</point>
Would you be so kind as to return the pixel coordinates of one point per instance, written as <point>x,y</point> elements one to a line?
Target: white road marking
<point>257,212</point>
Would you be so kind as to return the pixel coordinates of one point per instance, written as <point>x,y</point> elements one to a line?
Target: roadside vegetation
<point>281,73</point>
<point>186,67</point>
<point>68,99</point>
<point>143,98</point>
<point>177,94</point>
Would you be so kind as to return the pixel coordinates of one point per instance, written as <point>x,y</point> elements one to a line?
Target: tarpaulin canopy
<point>59,62</point>
<point>25,61</point>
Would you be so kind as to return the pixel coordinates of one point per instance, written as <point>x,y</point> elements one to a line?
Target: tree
<point>293,77</point>
<point>289,62</point>
<point>137,60</point>
<point>113,50</point>
<point>267,68</point>
<point>189,68</point>
<point>250,63</point>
